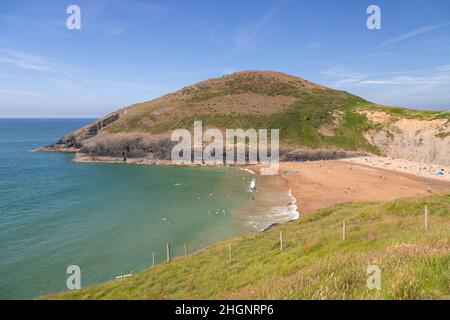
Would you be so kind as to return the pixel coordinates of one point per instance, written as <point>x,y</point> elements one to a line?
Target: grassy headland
<point>309,116</point>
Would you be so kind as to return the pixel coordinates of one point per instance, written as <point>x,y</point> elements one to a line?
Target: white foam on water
<point>278,214</point>
<point>289,212</point>
<point>293,207</point>
<point>247,170</point>
<point>252,186</point>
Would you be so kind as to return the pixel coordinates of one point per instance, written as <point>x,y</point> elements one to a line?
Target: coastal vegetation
<point>316,263</point>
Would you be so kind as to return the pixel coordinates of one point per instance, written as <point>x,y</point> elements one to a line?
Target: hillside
<point>310,117</point>
<point>315,263</point>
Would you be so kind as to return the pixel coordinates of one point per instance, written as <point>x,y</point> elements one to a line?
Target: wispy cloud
<point>145,7</point>
<point>247,36</point>
<point>26,61</point>
<point>344,78</point>
<point>8,18</point>
<point>213,37</point>
<point>415,33</point>
<point>209,29</point>
<point>45,27</point>
<point>20,93</point>
<point>64,79</point>
<point>112,30</point>
<point>139,86</point>
<point>411,88</point>
<point>130,9</point>
<point>377,55</point>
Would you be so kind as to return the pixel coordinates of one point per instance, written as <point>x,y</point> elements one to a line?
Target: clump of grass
<point>443,135</point>
<point>411,113</point>
<point>315,263</point>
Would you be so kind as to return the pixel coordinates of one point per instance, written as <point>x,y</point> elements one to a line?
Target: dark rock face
<point>131,148</point>
<point>72,141</point>
<point>97,126</point>
<point>75,140</point>
<point>319,154</point>
<point>161,150</point>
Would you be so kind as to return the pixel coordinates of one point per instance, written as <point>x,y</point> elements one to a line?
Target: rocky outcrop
<point>422,140</point>
<point>74,141</point>
<point>317,154</point>
<point>128,145</point>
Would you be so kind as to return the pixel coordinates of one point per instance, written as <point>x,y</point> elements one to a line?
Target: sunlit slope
<point>315,263</point>
<point>309,116</point>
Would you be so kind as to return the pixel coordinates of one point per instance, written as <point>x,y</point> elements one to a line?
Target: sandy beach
<point>320,184</point>
<point>436,171</point>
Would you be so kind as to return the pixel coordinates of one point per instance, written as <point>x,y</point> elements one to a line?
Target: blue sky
<point>134,50</point>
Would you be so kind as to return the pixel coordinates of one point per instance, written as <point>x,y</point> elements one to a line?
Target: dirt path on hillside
<point>320,184</point>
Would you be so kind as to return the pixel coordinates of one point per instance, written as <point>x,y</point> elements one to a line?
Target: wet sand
<point>320,184</point>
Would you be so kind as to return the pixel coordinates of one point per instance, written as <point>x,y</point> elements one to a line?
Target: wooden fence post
<point>426,218</point>
<point>229,250</point>
<point>186,251</point>
<point>153,259</point>
<point>168,251</point>
<point>281,241</point>
<point>343,230</point>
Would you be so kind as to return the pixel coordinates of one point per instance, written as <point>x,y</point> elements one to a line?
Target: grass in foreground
<point>315,263</point>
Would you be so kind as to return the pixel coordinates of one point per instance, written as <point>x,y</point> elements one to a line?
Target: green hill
<point>315,263</point>
<point>308,115</point>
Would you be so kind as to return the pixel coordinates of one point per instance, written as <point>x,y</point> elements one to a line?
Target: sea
<point>112,219</point>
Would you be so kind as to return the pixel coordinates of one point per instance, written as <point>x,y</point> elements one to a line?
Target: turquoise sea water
<point>105,218</point>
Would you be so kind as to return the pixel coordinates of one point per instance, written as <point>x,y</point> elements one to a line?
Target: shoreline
<point>381,162</point>
<point>271,204</point>
<point>305,198</point>
<point>281,211</point>
<point>289,170</point>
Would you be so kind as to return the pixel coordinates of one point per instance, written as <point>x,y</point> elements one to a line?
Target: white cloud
<point>412,88</point>
<point>20,93</point>
<point>345,78</point>
<point>247,36</point>
<point>415,33</point>
<point>144,7</point>
<point>11,19</point>
<point>42,27</point>
<point>342,76</point>
<point>26,61</point>
<point>138,86</point>
<point>112,30</point>
<point>377,55</point>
